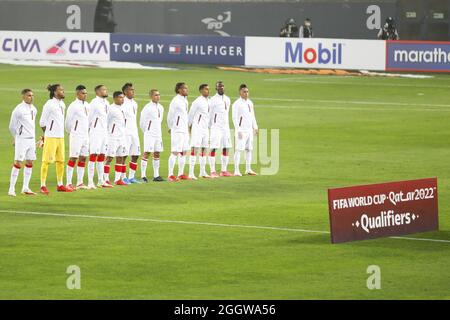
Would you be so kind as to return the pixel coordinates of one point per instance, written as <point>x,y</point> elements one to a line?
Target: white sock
<point>237,159</point>
<point>155,168</point>
<point>192,161</point>
<point>80,174</point>
<point>248,160</point>
<point>91,172</point>
<point>69,173</point>
<point>212,163</point>
<point>14,175</point>
<point>224,160</point>
<point>26,177</point>
<point>144,168</point>
<point>100,170</point>
<point>203,165</point>
<point>181,163</point>
<point>172,161</point>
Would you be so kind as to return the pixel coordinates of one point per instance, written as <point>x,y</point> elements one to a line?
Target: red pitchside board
<point>382,210</point>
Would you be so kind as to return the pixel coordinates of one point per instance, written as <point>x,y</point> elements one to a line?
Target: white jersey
<point>77,120</point>
<point>244,115</point>
<point>198,116</point>
<point>151,118</point>
<point>23,118</point>
<point>219,112</point>
<point>98,113</point>
<point>116,122</point>
<point>52,118</point>
<point>130,108</point>
<point>177,117</point>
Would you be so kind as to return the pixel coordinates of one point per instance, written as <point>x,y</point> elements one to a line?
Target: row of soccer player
<point>100,132</point>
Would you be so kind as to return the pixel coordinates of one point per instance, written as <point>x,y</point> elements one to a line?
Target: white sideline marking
<point>372,84</point>
<point>196,223</point>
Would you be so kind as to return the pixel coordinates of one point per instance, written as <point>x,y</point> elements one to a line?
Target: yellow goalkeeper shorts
<point>53,150</point>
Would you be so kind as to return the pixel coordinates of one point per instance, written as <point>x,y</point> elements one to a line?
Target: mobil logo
<point>18,44</point>
<point>320,53</point>
<point>88,46</point>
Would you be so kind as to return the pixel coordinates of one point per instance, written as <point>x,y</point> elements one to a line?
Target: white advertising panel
<point>54,45</point>
<point>315,53</point>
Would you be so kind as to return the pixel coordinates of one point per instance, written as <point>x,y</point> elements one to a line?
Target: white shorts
<point>179,142</point>
<point>116,147</point>
<point>25,149</point>
<point>246,142</point>
<point>199,138</point>
<point>153,144</point>
<point>78,146</point>
<point>98,143</point>
<point>220,138</point>
<point>133,146</point>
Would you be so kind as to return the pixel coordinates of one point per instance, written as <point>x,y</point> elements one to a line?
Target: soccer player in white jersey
<point>220,137</point>
<point>245,127</point>
<point>150,123</point>
<point>198,121</point>
<point>116,139</point>
<point>177,121</point>
<point>22,128</point>
<point>130,109</point>
<point>77,125</point>
<point>52,124</point>
<point>98,136</point>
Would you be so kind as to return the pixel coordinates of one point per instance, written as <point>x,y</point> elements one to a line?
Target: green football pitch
<point>263,237</point>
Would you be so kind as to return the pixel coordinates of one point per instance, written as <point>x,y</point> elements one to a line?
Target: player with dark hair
<point>116,139</point>
<point>150,123</point>
<point>133,148</point>
<point>77,125</point>
<point>52,124</point>
<point>220,137</point>
<point>177,121</point>
<point>198,121</point>
<point>22,128</point>
<point>245,127</point>
<point>98,136</point>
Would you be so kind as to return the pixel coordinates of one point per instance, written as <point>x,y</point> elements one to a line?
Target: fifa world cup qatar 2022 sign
<point>382,210</point>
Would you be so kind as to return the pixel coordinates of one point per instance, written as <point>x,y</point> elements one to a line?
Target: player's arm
<point>254,124</point>
<point>192,113</point>
<point>14,123</point>
<point>144,119</point>
<point>235,114</point>
<point>69,119</point>
<point>44,117</point>
<point>170,116</point>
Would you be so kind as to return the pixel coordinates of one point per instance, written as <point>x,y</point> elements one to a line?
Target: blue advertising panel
<point>424,56</point>
<point>178,49</point>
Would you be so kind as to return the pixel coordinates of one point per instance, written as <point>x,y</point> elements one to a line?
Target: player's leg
<point>182,156</point>
<point>202,160</point>
<point>248,155</point>
<point>59,162</point>
<point>176,148</point>
<point>192,162</point>
<point>240,146</point>
<point>13,179</point>
<point>214,145</point>
<point>226,145</point>
<point>100,163</point>
<point>30,156</point>
<point>27,171</point>
<point>119,170</point>
<point>144,162</point>
<point>48,154</point>
<point>135,151</point>
<point>69,170</point>
<point>156,157</point>
<point>107,167</point>
<point>91,170</point>
<point>80,172</point>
